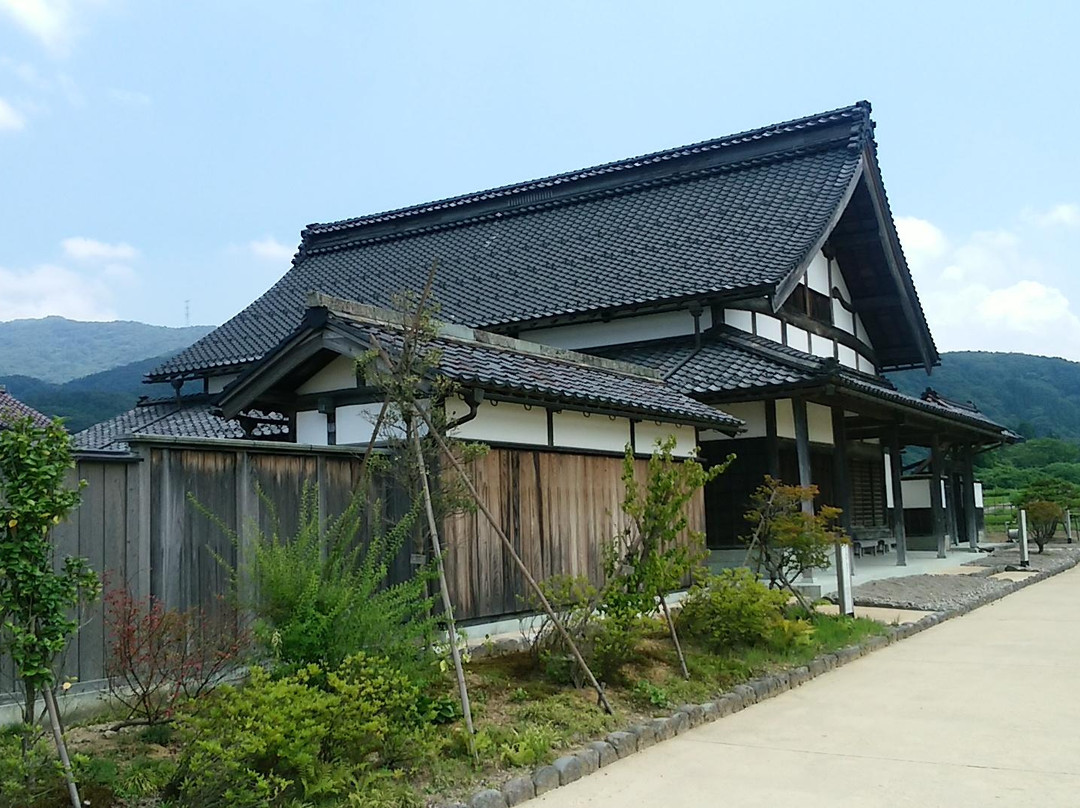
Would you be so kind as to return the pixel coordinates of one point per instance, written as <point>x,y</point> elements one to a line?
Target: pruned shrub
<point>607,641</point>
<point>735,610</point>
<point>305,737</point>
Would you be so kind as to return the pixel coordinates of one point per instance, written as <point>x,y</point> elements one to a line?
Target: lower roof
<point>727,365</point>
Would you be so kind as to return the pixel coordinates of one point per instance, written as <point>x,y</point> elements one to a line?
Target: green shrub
<point>650,695</point>
<point>308,736</point>
<point>606,641</point>
<point>732,609</point>
<point>528,747</point>
<point>322,593</point>
<point>26,780</point>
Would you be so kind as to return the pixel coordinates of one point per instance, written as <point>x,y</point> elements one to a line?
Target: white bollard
<point>844,565</point>
<point>1025,561</point>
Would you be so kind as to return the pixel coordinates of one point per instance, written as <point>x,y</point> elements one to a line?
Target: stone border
<point>619,745</point>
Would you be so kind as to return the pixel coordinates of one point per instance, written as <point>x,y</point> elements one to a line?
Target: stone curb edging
<point>622,744</point>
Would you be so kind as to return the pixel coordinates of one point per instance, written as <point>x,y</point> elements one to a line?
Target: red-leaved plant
<point>161,658</point>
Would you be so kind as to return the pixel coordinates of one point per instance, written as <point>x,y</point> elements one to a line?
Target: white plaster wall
<point>819,423</point>
<point>785,419</point>
<point>916,493</point>
<point>647,433</point>
<point>501,423</point>
<point>215,384</point>
<point>821,346</point>
<point>847,356</point>
<point>842,318</point>
<point>614,332</point>
<point>817,274</point>
<point>355,423</point>
<point>340,374</point>
<point>753,412</point>
<point>737,318</point>
<point>770,327</point>
<point>888,480</point>
<point>978,494</point>
<point>798,338</point>
<point>865,365</point>
<point>311,428</point>
<point>578,431</point>
<point>839,282</point>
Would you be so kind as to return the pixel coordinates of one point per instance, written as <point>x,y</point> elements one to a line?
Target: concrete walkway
<point>981,710</point>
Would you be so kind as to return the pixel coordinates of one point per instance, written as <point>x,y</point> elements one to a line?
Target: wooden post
<point>842,486</point>
<point>1068,526</point>
<point>968,493</point>
<point>937,506</point>
<point>772,443</point>
<point>802,455</point>
<point>896,468</point>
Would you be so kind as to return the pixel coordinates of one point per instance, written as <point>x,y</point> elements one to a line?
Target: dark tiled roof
<point>723,216</point>
<point>192,417</point>
<point>11,410</point>
<point>508,366</point>
<point>729,363</point>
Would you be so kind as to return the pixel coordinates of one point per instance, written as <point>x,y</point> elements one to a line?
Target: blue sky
<point>153,153</point>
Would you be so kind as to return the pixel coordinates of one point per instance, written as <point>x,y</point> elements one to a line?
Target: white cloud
<point>89,250</point>
<point>10,119</point>
<point>991,291</point>
<point>50,21</point>
<point>271,249</point>
<point>49,289</point>
<point>1064,215</point>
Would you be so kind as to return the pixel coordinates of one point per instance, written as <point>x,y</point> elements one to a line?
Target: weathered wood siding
<point>559,510</point>
<point>145,523</point>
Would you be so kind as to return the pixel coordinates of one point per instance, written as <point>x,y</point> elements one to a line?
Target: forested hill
<point>1035,395</point>
<point>54,349</point>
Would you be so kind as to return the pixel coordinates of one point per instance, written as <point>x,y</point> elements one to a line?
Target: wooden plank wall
<point>138,525</point>
<point>559,511</point>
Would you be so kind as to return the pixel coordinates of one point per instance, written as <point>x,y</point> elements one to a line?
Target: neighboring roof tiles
<point>11,410</point>
<point>191,417</point>
<point>731,214</point>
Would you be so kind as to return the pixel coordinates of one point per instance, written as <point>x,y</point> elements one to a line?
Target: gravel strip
<point>942,593</point>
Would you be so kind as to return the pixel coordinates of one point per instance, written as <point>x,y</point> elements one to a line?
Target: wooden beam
<point>937,505</point>
<point>896,468</point>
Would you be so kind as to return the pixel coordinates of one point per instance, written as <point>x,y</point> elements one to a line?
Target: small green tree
<point>785,540</point>
<point>1043,519</point>
<point>37,596</point>
<point>649,560</point>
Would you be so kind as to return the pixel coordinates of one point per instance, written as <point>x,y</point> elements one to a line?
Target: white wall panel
<point>769,327</point>
<point>847,356</point>
<point>740,319</point>
<point>817,274</point>
<point>340,374</point>
<point>311,428</point>
<point>916,493</point>
<point>614,332</point>
<point>798,338</point>
<point>821,346</point>
<point>785,419</point>
<point>355,423</point>
<point>501,423</point>
<point>577,431</point>
<point>865,365</point>
<point>752,412</point>
<point>819,423</point>
<point>647,433</point>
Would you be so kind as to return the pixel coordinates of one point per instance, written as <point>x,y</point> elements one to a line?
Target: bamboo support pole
<point>61,747</point>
